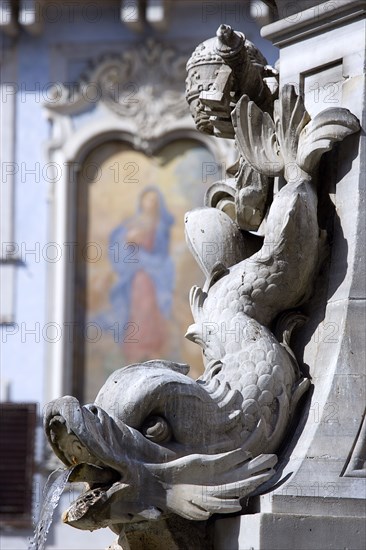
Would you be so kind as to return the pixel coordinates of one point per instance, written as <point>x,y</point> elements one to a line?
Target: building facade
<point>100,160</point>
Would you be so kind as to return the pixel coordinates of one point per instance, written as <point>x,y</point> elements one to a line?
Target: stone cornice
<point>313,20</point>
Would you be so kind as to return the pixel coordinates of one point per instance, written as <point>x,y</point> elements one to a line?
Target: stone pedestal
<point>319,502</point>
<point>290,531</point>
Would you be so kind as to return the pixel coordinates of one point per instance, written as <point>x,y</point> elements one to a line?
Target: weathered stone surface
<point>289,531</point>
<point>170,446</point>
<point>220,71</point>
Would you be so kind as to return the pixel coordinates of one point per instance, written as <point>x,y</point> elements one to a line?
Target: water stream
<point>52,491</point>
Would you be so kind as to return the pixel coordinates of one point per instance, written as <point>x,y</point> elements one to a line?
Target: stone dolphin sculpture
<point>156,442</point>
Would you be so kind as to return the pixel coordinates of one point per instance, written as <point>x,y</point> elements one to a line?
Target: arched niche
<point>78,131</point>
<point>133,271</point>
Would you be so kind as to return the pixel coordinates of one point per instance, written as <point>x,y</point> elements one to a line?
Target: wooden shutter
<point>17,440</point>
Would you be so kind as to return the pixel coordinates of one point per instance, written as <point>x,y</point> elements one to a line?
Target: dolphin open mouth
<point>130,478</point>
<point>100,481</point>
<point>110,494</point>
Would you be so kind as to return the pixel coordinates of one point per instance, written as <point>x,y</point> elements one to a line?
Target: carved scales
<point>167,444</point>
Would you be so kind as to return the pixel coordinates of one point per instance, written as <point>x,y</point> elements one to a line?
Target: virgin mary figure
<point>141,298</point>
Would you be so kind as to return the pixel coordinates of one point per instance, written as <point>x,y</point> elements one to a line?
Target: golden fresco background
<point>137,268</point>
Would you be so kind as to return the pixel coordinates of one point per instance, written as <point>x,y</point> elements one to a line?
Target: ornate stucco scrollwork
<point>156,442</point>
<point>142,84</point>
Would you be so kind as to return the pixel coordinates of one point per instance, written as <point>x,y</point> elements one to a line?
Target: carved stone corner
<point>356,466</point>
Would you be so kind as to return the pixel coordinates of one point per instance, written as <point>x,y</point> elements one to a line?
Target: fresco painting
<point>139,271</point>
